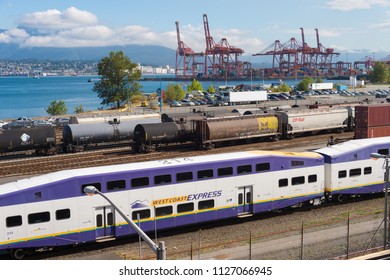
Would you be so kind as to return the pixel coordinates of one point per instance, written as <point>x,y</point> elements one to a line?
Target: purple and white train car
<point>53,210</point>
<point>349,169</point>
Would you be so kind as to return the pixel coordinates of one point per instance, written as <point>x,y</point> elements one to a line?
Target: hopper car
<point>52,210</point>
<point>206,132</point>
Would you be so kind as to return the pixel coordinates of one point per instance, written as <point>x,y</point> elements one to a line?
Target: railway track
<point>41,165</point>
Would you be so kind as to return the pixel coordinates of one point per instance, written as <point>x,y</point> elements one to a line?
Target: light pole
<point>159,250</point>
<point>385,217</point>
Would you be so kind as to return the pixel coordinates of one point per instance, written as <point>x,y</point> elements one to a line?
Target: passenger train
<point>53,210</point>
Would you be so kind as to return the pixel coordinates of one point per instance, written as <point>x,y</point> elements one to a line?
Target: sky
<point>348,26</point>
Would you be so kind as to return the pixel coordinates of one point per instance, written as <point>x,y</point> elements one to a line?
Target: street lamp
<point>159,250</point>
<point>385,218</point>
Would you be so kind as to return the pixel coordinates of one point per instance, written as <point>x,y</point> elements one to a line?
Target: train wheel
<point>289,136</point>
<point>18,254</point>
<point>340,198</point>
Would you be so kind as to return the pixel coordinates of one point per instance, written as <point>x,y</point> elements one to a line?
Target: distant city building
<point>35,68</point>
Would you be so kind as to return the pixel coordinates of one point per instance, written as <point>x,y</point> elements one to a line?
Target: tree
<point>79,109</point>
<point>195,86</point>
<point>174,92</point>
<point>118,80</point>
<point>211,89</point>
<point>56,108</point>
<point>380,73</point>
<point>304,84</point>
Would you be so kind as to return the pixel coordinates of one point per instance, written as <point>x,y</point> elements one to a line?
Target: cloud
<point>58,20</point>
<point>15,35</point>
<point>349,5</point>
<point>77,28</point>
<point>384,25</point>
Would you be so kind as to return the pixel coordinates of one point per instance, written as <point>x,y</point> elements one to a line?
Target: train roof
<point>172,163</point>
<point>353,149</point>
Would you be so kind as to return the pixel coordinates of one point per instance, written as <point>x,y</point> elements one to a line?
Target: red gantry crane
<point>221,59</point>
<point>186,66</point>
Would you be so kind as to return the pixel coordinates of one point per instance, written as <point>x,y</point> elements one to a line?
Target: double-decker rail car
<point>351,171</point>
<point>52,210</point>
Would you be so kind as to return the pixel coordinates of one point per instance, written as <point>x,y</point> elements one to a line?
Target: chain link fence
<point>341,238</point>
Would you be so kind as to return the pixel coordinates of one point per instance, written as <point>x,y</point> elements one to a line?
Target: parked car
<point>174,103</point>
<point>186,102</point>
<point>62,121</point>
<point>41,123</point>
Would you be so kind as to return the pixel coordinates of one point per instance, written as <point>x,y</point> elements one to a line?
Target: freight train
<point>52,210</point>
<point>75,137</point>
<point>207,132</point>
<point>204,130</point>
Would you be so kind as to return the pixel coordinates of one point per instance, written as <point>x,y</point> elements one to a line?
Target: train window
<point>367,170</point>
<point>62,214</point>
<point>243,169</point>
<point>355,172</point>
<point>297,163</point>
<point>98,186</point>
<point>184,176</point>
<point>185,207</point>
<point>225,171</point>
<point>383,152</point>
<point>203,174</point>
<point>110,219</point>
<point>342,173</point>
<point>260,167</point>
<point>140,182</point>
<point>99,220</point>
<point>206,204</point>
<point>116,185</point>
<point>40,217</point>
<point>298,180</point>
<point>162,179</point>
<point>13,221</point>
<point>312,178</point>
<point>283,183</point>
<point>163,211</point>
<point>143,214</point>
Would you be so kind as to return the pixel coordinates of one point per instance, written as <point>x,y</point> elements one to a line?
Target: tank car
<point>149,136</point>
<point>211,131</point>
<point>298,122</point>
<point>78,136</point>
<point>40,139</point>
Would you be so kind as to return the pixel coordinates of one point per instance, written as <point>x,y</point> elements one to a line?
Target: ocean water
<point>28,97</point>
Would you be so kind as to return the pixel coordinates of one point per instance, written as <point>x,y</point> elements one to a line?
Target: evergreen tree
<point>56,108</point>
<point>195,86</point>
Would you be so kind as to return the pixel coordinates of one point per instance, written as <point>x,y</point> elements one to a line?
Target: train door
<point>244,200</point>
<point>105,222</point>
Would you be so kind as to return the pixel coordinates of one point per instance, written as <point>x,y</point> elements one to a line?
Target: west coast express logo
<point>186,198</point>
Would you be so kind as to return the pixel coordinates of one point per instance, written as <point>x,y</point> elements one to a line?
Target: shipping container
<point>372,115</point>
<point>372,132</point>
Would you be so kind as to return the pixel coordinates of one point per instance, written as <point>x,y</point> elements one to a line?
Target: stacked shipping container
<point>372,121</point>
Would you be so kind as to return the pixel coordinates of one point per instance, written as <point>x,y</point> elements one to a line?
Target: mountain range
<point>146,55</point>
<point>152,55</point>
